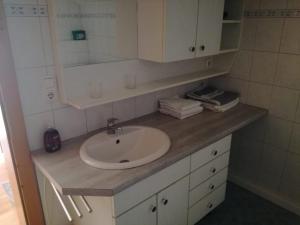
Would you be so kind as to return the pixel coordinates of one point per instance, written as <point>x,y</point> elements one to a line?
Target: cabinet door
<point>173,204</point>
<point>145,214</point>
<point>180,29</point>
<point>209,31</point>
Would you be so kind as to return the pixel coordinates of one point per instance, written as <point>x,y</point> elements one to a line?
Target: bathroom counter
<point>72,176</point>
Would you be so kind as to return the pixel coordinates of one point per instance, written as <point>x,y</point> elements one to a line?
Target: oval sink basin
<point>133,147</point>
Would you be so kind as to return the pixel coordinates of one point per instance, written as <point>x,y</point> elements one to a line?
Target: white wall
<point>30,38</point>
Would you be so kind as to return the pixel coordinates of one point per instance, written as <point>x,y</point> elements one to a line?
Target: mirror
<point>94,31</point>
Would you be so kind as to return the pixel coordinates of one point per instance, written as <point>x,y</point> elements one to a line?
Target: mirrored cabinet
<point>94,31</point>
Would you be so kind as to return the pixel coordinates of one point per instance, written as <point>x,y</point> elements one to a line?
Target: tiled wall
<point>30,38</point>
<point>267,73</point>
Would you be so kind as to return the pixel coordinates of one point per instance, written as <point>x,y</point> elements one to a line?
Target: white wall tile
<point>264,67</point>
<point>20,1</point>
<point>278,132</point>
<point>26,40</point>
<point>242,64</point>
<point>290,36</point>
<point>290,184</point>
<point>284,103</point>
<point>97,117</point>
<point>268,34</point>
<point>146,104</point>
<point>124,110</point>
<point>70,122</point>
<point>36,125</point>
<point>46,38</point>
<point>259,95</point>
<point>293,4</point>
<point>33,94</point>
<point>295,139</point>
<point>248,34</point>
<point>273,4</point>
<point>288,71</point>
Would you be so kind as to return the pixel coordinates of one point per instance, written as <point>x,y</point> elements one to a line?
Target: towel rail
<point>74,206</point>
<point>86,204</point>
<point>62,203</point>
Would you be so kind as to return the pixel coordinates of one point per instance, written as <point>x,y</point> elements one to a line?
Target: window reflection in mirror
<point>95,31</point>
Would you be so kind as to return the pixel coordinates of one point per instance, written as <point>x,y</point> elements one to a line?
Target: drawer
<point>150,186</point>
<point>207,187</point>
<point>210,152</point>
<point>202,174</point>
<point>206,205</point>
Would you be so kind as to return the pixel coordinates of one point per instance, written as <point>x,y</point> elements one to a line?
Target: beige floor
<point>8,214</point>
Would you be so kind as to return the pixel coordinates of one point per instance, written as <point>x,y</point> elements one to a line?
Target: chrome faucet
<point>112,127</point>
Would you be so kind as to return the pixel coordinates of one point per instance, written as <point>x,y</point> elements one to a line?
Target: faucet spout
<point>112,127</point>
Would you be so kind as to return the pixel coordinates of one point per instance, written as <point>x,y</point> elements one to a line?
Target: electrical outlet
<point>50,88</point>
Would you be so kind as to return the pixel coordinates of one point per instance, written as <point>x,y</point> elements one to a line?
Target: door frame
<point>17,147</point>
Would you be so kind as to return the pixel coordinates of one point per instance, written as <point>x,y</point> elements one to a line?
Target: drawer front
<point>202,174</point>
<point>207,187</point>
<point>150,186</point>
<point>141,214</point>
<point>210,152</point>
<point>203,207</point>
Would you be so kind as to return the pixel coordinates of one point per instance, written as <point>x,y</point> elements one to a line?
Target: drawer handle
<point>214,152</point>
<point>192,49</point>
<point>213,170</point>
<point>210,205</point>
<point>153,208</point>
<point>165,201</point>
<point>211,187</point>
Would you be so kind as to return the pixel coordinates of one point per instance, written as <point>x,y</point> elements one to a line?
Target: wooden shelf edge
<point>86,102</point>
<point>231,21</point>
<point>224,51</point>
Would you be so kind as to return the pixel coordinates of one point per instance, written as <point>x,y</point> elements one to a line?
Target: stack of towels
<point>215,99</point>
<point>180,108</point>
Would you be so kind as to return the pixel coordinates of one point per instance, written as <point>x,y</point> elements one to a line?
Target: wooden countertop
<point>72,176</point>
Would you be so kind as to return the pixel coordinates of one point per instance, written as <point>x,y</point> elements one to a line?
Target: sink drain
<point>124,161</point>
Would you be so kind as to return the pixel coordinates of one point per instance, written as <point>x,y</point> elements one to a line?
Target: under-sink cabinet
<point>181,194</point>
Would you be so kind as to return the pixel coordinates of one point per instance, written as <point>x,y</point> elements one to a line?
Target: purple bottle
<point>52,141</point>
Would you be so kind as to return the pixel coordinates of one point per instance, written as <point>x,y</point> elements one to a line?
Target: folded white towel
<point>183,115</point>
<point>179,104</point>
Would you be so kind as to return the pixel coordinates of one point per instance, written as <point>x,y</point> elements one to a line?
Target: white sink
<point>133,147</point>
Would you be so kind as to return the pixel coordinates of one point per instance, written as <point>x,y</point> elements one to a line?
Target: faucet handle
<point>112,121</point>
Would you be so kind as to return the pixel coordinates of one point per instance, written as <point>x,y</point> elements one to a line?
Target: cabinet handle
<point>213,170</point>
<point>214,152</point>
<point>164,201</point>
<point>74,206</point>
<point>153,208</point>
<point>192,49</point>
<point>62,203</point>
<point>202,47</point>
<point>211,187</point>
<point>86,204</point>
<point>210,205</point>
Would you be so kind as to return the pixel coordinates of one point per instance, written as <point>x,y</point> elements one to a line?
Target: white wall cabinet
<point>209,30</point>
<point>172,30</point>
<point>180,194</point>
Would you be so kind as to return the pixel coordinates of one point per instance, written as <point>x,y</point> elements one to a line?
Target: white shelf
<point>231,21</point>
<point>85,102</point>
<point>224,51</point>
